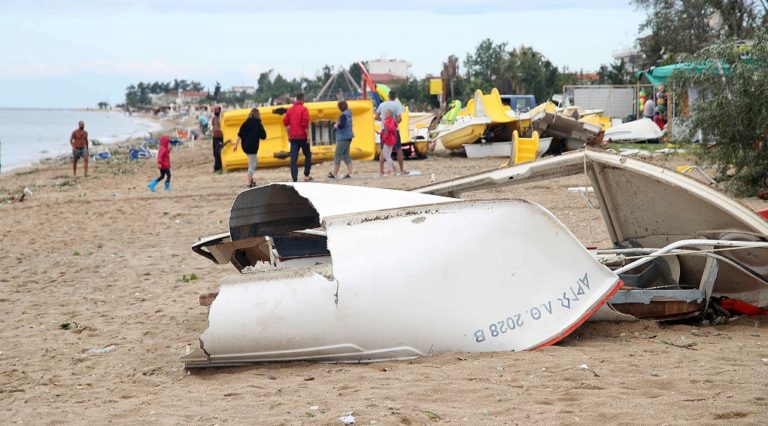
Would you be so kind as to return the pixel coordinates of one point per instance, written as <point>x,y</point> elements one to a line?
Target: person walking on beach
<point>389,133</point>
<point>396,109</point>
<point>296,122</point>
<point>251,132</point>
<point>218,139</point>
<point>79,143</point>
<point>203,124</point>
<point>344,136</point>
<point>164,164</point>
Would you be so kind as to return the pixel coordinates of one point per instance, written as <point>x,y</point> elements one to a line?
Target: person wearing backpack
<point>251,133</point>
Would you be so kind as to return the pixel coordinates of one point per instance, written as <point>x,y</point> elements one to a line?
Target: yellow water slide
<point>491,106</point>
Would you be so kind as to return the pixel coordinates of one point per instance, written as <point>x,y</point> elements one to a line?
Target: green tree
<point>522,70</point>
<point>485,67</point>
<point>264,87</point>
<point>450,73</point>
<point>732,82</point>
<point>355,72</point>
<point>529,72</point>
<point>615,73</point>
<point>675,27</point>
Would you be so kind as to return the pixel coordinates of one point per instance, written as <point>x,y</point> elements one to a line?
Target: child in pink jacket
<point>164,164</point>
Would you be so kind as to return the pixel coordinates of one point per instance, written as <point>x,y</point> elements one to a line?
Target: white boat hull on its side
<point>634,131</point>
<point>493,276</point>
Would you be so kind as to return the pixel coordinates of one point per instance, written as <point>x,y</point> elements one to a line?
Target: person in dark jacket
<point>344,136</point>
<point>296,122</point>
<point>251,132</point>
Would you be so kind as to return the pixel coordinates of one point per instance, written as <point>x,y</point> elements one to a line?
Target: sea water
<point>29,135</point>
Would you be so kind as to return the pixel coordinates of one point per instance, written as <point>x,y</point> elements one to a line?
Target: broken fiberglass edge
<point>490,276</point>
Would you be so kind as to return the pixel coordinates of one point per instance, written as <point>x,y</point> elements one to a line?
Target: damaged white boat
<point>643,129</point>
<point>677,243</point>
<point>492,276</point>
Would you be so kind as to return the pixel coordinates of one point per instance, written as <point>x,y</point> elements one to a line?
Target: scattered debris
<point>686,345</point>
<point>586,367</point>
<point>309,379</point>
<point>347,419</point>
<point>104,350</point>
<point>26,193</point>
<point>69,325</point>
<point>207,299</point>
<point>703,399</point>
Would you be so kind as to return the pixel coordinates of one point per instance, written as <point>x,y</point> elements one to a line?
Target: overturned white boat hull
<point>634,131</point>
<point>493,276</point>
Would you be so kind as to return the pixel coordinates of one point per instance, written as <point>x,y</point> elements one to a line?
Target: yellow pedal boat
<point>274,151</point>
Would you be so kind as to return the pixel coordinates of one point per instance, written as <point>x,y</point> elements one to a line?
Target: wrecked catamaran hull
<point>495,276</point>
<point>646,208</point>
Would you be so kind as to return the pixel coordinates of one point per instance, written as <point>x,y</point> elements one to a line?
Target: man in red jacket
<point>296,123</point>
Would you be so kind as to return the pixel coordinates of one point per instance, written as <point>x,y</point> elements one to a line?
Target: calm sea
<point>28,135</point>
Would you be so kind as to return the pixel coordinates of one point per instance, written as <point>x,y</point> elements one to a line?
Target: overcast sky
<point>76,53</point>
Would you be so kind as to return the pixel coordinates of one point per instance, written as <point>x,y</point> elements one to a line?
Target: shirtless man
<point>79,143</point>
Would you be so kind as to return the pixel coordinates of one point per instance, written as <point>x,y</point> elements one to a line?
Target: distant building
<point>388,70</point>
<point>631,57</point>
<point>191,97</point>
<point>162,98</point>
<point>249,90</point>
<point>587,78</point>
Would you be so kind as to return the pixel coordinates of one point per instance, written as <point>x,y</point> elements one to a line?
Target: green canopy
<point>659,75</point>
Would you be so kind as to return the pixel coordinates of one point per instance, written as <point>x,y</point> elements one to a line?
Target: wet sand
<point>108,255</point>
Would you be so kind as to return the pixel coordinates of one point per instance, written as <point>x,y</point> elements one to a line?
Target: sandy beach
<point>107,256</point>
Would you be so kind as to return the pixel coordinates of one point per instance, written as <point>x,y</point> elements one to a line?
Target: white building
<point>249,90</point>
<point>387,70</point>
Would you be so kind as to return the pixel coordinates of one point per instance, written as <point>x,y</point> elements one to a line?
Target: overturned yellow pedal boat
<point>274,151</point>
